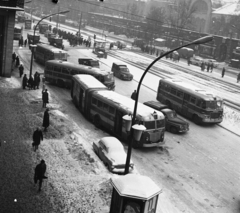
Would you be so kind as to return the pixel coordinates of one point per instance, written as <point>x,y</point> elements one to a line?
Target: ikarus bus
<point>106,108</point>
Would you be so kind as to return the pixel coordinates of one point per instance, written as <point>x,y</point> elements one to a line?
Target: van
<point>121,71</point>
<point>89,62</point>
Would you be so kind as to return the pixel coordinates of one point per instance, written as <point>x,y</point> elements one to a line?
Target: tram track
<point>165,74</point>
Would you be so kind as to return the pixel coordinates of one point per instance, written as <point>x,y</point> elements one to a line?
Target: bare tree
<point>180,15</point>
<point>133,11</point>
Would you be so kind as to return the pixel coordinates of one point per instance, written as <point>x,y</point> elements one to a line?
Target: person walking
<point>37,138</point>
<point>238,77</point>
<point>45,97</point>
<point>39,174</point>
<point>223,71</point>
<point>24,81</point>
<point>211,66</point>
<point>189,61</point>
<point>30,82</point>
<point>38,79</point>
<point>35,80</point>
<point>46,120</point>
<point>208,66</point>
<point>202,66</point>
<point>25,42</point>
<point>21,69</point>
<point>134,95</point>
<point>17,61</point>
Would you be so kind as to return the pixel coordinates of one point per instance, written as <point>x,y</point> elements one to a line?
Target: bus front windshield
<point>154,124</point>
<point>216,104</point>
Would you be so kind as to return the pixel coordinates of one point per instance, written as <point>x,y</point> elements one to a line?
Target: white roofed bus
<point>198,104</point>
<point>106,109</point>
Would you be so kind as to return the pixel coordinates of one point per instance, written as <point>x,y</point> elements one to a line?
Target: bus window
<point>149,124</point>
<point>180,94</point>
<point>199,103</point>
<point>49,67</point>
<point>204,104</point>
<point>65,71</point>
<point>74,72</point>
<point>193,100</point>
<point>111,110</point>
<point>167,88</point>
<point>160,123</point>
<point>57,69</point>
<point>173,91</point>
<point>105,107</point>
<point>94,101</point>
<point>186,97</point>
<point>100,104</point>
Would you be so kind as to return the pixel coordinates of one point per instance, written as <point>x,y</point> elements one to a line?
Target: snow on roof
<point>160,39</point>
<point>128,104</point>
<point>232,9</point>
<point>111,142</point>
<point>136,186</point>
<point>89,81</point>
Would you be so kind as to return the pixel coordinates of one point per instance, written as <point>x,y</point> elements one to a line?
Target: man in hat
<point>39,174</point>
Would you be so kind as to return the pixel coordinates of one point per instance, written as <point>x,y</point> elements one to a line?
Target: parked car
<point>111,152</point>
<point>173,123</point>
<point>196,60</point>
<point>121,44</point>
<point>121,71</point>
<point>215,63</point>
<point>87,61</point>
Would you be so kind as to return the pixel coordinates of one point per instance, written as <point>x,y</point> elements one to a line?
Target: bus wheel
<point>97,121</point>
<point>173,129</point>
<point>196,119</point>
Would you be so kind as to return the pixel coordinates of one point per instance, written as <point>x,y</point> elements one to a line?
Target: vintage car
<point>173,123</point>
<point>111,152</point>
<point>197,60</point>
<point>121,71</point>
<point>87,61</point>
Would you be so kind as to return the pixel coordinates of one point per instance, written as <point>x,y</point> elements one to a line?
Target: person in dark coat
<point>39,173</point>
<point>45,97</point>
<point>17,61</point>
<point>24,81</point>
<point>35,80</point>
<point>208,66</point>
<point>30,82</point>
<point>14,57</point>
<point>37,138</point>
<point>46,120</point>
<point>202,66</point>
<point>211,66</point>
<point>38,79</point>
<point>238,77</point>
<point>223,71</point>
<point>25,42</point>
<point>134,94</point>
<point>189,61</point>
<point>21,69</point>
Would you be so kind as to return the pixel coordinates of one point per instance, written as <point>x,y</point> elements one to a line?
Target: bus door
<point>185,104</point>
<point>81,99</point>
<point>118,123</point>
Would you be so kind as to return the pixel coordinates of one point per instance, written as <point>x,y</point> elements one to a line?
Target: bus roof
<point>51,48</point>
<point>89,81</point>
<point>90,70</point>
<point>206,95</point>
<point>128,104</point>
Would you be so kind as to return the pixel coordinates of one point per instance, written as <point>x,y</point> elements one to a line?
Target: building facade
<point>8,10</point>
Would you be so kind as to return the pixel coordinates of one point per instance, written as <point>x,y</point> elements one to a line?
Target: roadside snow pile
<point>231,120</point>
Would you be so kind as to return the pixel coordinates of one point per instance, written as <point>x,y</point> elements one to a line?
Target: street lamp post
<point>195,42</point>
<point>80,23</point>
<point>33,45</point>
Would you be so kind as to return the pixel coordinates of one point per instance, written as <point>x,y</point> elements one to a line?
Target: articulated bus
<point>106,108</point>
<point>45,52</point>
<point>197,104</point>
<point>60,73</point>
<point>17,32</point>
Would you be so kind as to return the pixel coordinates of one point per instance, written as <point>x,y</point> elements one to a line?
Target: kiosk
<point>134,193</point>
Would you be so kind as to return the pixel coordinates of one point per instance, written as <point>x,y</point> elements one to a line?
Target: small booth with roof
<point>134,193</point>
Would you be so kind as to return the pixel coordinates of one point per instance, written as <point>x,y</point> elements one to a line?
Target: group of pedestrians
<point>209,66</point>
<point>22,42</point>
<point>15,61</point>
<point>32,82</point>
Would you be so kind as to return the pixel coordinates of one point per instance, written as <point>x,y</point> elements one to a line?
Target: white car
<point>196,60</point>
<point>110,150</point>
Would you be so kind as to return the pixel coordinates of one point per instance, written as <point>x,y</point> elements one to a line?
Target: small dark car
<point>121,71</point>
<point>174,124</point>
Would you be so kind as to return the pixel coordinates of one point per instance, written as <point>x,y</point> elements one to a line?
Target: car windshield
<point>149,124</point>
<point>171,114</point>
<point>123,69</point>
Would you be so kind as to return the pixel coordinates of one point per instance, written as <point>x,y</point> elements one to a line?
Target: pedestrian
<point>202,66</point>
<point>211,66</point>
<point>38,79</point>
<point>17,61</point>
<point>14,57</point>
<point>46,120</point>
<point>24,81</point>
<point>208,66</point>
<point>21,69</point>
<point>223,71</point>
<point>238,77</point>
<point>25,42</point>
<point>37,138</point>
<point>39,174</point>
<point>188,61</point>
<point>45,97</point>
<point>35,80</point>
<point>134,95</point>
<point>178,58</point>
<point>30,82</point>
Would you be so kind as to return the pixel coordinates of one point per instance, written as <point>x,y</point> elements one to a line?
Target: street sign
<point>28,24</point>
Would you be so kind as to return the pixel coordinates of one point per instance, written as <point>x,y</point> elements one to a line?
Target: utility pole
<point>31,12</point>
<point>80,23</point>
